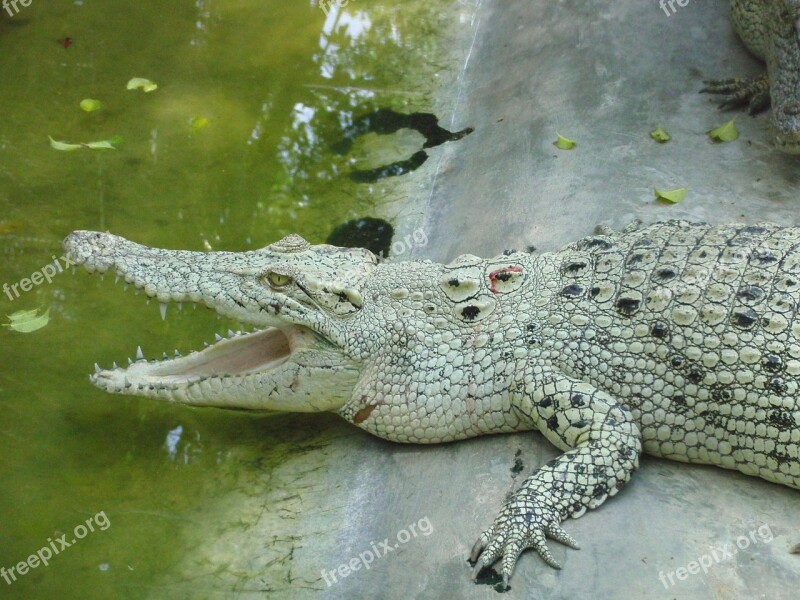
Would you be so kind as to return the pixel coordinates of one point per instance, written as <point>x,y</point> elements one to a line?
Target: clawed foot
<point>752,92</point>
<point>524,522</point>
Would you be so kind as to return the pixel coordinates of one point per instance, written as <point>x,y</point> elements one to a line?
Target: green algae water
<point>231,151</point>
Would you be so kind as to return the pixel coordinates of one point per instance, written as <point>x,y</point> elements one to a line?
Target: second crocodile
<point>771,31</point>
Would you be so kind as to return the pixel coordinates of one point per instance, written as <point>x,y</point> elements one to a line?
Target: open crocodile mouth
<point>283,365</point>
<point>238,357</point>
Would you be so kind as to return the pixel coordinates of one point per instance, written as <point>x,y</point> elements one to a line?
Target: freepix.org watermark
<point>716,555</point>
<point>53,547</point>
<point>366,558</point>
<point>326,5</point>
<point>46,273</point>
<point>12,6</point>
<point>668,6</point>
<point>417,238</point>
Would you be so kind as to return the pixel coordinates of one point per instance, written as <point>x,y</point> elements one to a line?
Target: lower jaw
<point>239,355</point>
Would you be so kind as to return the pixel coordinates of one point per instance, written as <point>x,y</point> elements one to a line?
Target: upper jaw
<point>223,281</point>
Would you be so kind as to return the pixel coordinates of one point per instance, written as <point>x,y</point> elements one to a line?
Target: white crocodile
<point>771,31</point>
<point>678,339</point>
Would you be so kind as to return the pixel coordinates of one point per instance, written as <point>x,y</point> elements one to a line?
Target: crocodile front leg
<point>603,445</point>
<point>740,91</point>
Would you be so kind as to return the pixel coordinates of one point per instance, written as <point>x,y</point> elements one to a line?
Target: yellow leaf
<point>671,196</point>
<point>563,143</point>
<point>141,83</point>
<point>101,145</point>
<point>198,123</point>
<point>63,146</point>
<point>23,315</point>
<point>90,104</point>
<point>104,145</point>
<point>27,321</point>
<point>724,133</point>
<point>660,135</point>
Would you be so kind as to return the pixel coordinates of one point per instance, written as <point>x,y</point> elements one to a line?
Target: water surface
<point>232,151</point>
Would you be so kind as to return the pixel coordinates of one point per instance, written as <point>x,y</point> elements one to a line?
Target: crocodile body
<point>677,339</point>
<point>771,31</point>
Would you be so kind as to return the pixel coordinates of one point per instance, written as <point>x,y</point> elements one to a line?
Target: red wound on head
<point>502,275</point>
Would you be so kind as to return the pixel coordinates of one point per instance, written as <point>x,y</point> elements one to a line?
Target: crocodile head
<point>783,65</point>
<point>298,297</point>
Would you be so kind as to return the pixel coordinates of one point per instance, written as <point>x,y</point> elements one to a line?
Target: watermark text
<point>53,547</point>
<point>12,6</point>
<point>379,550</point>
<point>47,273</point>
<point>716,555</point>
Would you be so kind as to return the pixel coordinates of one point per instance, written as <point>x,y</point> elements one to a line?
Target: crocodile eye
<point>277,280</point>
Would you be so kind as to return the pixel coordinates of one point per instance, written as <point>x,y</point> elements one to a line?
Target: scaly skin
<point>771,30</point>
<point>678,339</point>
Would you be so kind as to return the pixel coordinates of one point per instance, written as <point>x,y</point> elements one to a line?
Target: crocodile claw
<point>525,521</point>
<point>740,91</point>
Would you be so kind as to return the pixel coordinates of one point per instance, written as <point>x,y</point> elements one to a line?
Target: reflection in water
<point>385,121</point>
<point>352,26</point>
<point>173,439</point>
<point>373,234</point>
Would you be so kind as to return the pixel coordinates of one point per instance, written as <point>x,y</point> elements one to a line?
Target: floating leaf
<point>101,145</point>
<point>63,146</point>
<point>725,133</point>
<point>198,123</point>
<point>26,321</point>
<point>140,83</point>
<point>563,143</point>
<point>23,315</point>
<point>671,196</point>
<point>90,104</point>
<point>660,135</point>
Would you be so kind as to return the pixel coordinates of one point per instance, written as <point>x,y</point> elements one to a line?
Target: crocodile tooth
<point>217,337</point>
<point>180,305</point>
<point>231,333</point>
<point>139,353</point>
<point>74,270</point>
<point>130,361</point>
<point>206,344</point>
<point>97,368</point>
<point>116,279</point>
<point>163,308</point>
<point>177,354</point>
<point>114,366</point>
<point>102,276</point>
<point>164,356</point>
<point>125,287</point>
